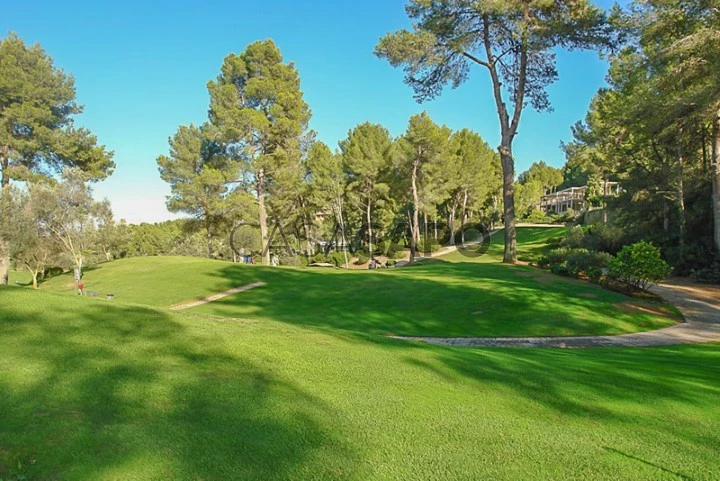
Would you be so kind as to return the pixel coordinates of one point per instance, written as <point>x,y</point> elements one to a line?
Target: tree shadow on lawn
<point>648,395</point>
<point>439,299</point>
<point>97,390</point>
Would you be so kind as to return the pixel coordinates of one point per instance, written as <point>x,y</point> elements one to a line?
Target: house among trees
<point>575,198</point>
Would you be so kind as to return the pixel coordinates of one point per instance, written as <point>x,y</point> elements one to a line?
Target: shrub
<point>52,272</point>
<point>591,264</point>
<point>337,258</point>
<point>577,260</point>
<point>605,238</point>
<point>574,237</point>
<point>391,263</point>
<point>292,260</point>
<point>319,257</point>
<point>362,258</point>
<point>539,217</point>
<point>556,257</point>
<point>399,254</point>
<point>639,265</point>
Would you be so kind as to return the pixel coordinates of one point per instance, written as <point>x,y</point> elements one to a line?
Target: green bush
<point>588,263</point>
<point>576,263</point>
<point>539,217</point>
<point>362,258</point>
<point>554,257</point>
<point>605,238</point>
<point>574,237</point>
<point>52,272</point>
<point>337,258</point>
<point>710,273</point>
<point>292,260</point>
<point>639,265</point>
<point>432,245</point>
<point>391,263</point>
<point>399,254</point>
<point>319,257</point>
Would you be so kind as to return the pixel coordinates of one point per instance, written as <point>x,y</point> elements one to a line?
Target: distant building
<point>572,198</point>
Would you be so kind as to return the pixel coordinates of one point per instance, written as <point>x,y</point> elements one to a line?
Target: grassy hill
<point>451,296</point>
<point>104,391</point>
<point>293,380</point>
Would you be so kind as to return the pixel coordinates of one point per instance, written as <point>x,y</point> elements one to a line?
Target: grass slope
<point>106,391</point>
<point>450,296</point>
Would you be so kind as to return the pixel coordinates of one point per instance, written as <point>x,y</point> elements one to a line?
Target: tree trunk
<point>208,230</point>
<point>451,219</point>
<point>4,206</point>
<point>681,202</point>
<point>508,168</point>
<point>604,202</point>
<point>369,226</point>
<point>666,216</point>
<point>463,216</point>
<point>35,279</point>
<point>716,181</point>
<point>262,217</point>
<point>416,216</point>
<point>338,207</point>
<point>425,233</point>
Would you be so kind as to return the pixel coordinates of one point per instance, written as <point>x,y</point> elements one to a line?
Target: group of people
<point>249,259</point>
<point>374,264</point>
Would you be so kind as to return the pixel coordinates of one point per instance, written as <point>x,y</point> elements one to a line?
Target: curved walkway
<point>215,297</point>
<point>700,305</point>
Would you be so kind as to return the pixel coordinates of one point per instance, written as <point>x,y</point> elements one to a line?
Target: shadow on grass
<point>89,388</point>
<point>432,299</point>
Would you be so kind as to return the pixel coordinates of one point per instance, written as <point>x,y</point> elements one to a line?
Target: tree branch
<point>497,92</point>
<point>475,59</point>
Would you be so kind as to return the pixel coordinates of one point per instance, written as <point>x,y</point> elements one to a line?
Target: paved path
<point>215,297</point>
<point>700,305</point>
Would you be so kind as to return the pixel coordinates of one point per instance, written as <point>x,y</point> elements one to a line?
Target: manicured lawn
<point>97,390</point>
<point>450,296</point>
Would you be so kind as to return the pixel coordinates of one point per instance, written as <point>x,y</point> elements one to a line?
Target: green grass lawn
<point>19,277</point>
<point>450,296</point>
<point>97,390</point>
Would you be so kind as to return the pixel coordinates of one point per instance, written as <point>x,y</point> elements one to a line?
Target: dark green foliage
<point>554,257</point>
<point>574,237</point>
<point>52,272</point>
<point>605,238</point>
<point>593,265</point>
<point>577,262</point>
<point>639,265</point>
<point>362,258</point>
<point>337,258</point>
<point>710,273</point>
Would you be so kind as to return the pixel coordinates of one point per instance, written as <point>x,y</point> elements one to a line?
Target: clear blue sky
<point>141,70</point>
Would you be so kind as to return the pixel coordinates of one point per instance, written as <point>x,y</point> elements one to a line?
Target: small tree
<point>366,155</point>
<point>639,265</point>
<point>199,174</point>
<point>425,143</point>
<point>31,246</point>
<point>66,211</point>
<point>328,182</point>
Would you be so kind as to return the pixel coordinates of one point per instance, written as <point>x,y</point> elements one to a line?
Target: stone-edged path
<point>700,305</point>
<point>215,297</point>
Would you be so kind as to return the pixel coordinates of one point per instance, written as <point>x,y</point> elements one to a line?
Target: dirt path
<point>215,297</point>
<point>700,305</point>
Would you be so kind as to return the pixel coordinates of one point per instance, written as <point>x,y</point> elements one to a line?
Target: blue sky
<point>141,70</point>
